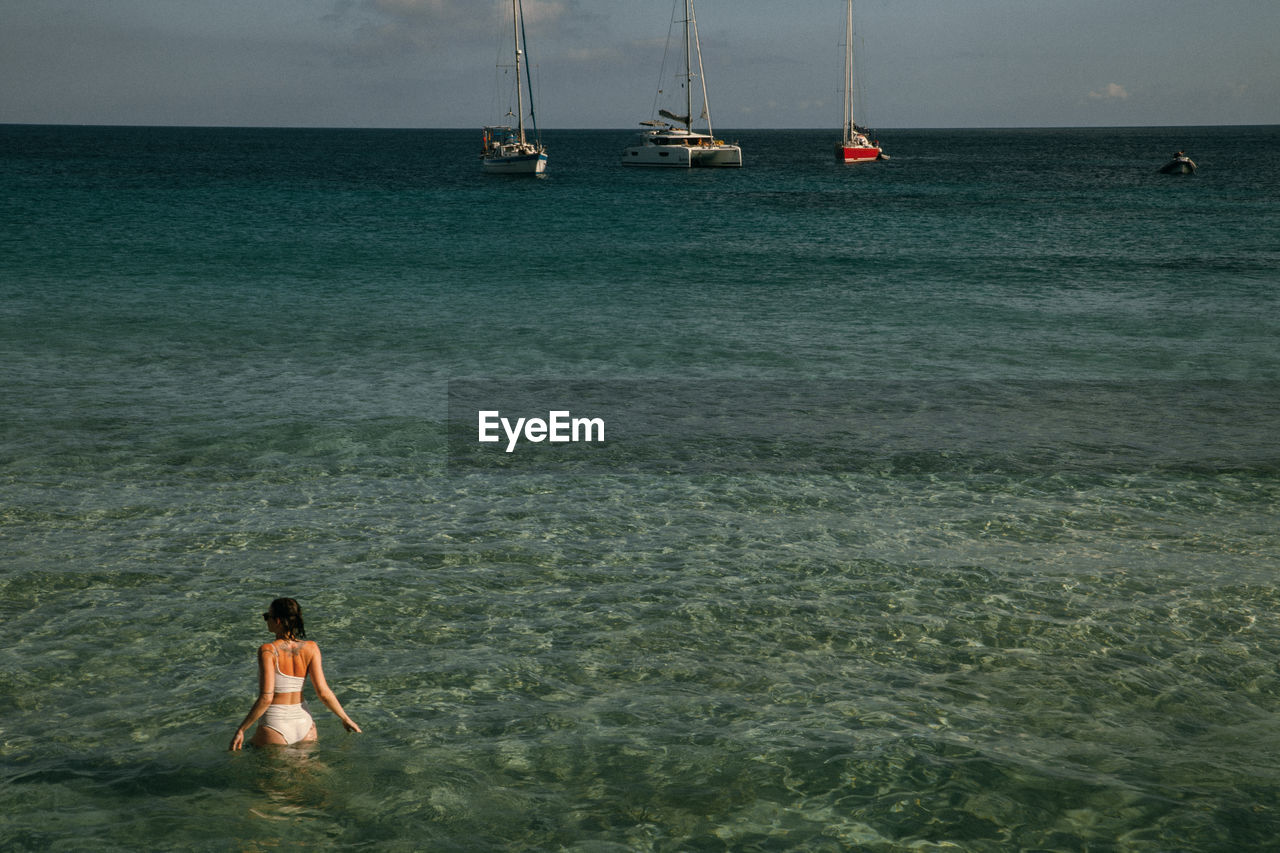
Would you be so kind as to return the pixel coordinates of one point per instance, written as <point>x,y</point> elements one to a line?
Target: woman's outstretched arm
<point>266,691</point>
<point>326,695</point>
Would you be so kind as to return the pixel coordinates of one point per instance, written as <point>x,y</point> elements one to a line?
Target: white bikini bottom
<point>291,721</point>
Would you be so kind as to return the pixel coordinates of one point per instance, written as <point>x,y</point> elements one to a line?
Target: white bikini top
<point>287,683</point>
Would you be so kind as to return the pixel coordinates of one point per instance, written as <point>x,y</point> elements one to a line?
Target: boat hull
<point>517,164</point>
<point>720,156</point>
<point>683,156</point>
<point>1179,166</point>
<point>669,156</point>
<point>856,153</point>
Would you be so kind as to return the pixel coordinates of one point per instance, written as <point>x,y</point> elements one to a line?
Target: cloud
<point>589,54</point>
<point>460,13</point>
<point>539,13</point>
<point>386,28</point>
<point>1110,92</point>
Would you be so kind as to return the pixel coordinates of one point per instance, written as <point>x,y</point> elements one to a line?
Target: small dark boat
<point>1181,164</point>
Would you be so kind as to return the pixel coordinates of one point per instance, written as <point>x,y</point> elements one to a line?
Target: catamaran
<point>674,142</point>
<point>855,147</point>
<point>507,151</point>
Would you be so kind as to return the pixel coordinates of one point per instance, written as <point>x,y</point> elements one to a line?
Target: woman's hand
<point>237,742</point>
<point>350,726</point>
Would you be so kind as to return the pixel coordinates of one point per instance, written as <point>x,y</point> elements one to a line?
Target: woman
<point>283,665</point>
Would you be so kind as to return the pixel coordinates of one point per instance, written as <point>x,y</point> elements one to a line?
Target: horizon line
<point>735,128</point>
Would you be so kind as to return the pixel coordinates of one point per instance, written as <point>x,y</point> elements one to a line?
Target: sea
<point>950,523</point>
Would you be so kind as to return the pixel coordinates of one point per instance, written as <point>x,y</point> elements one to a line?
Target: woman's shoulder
<point>306,648</point>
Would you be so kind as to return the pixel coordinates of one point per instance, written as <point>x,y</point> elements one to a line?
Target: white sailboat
<point>855,147</point>
<point>507,150</point>
<point>1181,164</point>
<point>674,142</point>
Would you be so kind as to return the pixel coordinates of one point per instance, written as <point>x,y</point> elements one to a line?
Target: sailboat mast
<point>515,26</point>
<point>688,67</point>
<point>706,107</point>
<point>848,75</point>
<point>528,78</point>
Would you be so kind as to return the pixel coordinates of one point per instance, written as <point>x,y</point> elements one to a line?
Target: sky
<point>768,63</point>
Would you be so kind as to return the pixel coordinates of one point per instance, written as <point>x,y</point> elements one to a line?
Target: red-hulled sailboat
<point>855,147</point>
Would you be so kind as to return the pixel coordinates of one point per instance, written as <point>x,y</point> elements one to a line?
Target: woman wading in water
<point>283,665</point>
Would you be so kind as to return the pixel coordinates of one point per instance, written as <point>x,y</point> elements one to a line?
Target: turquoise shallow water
<point>225,358</point>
